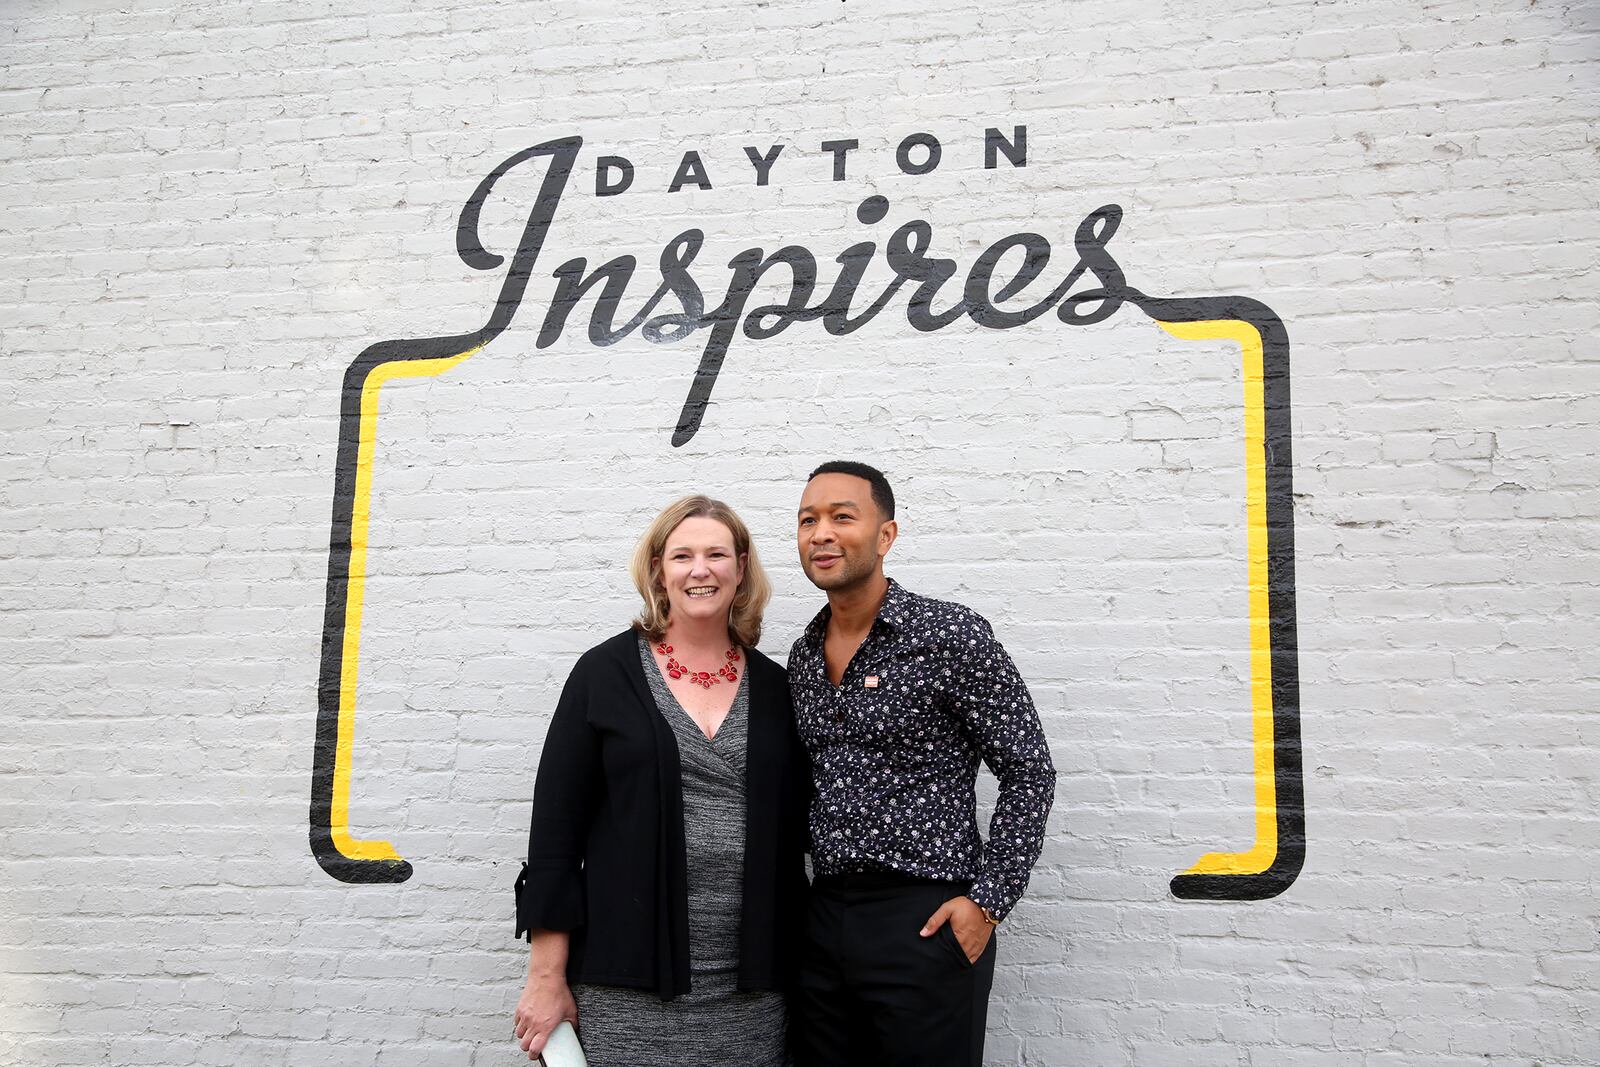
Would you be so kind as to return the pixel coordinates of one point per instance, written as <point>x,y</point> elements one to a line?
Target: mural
<point>1092,291</point>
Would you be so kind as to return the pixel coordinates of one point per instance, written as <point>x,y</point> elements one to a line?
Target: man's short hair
<point>882,495</point>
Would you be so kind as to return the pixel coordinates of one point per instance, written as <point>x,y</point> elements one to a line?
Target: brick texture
<point>207,211</point>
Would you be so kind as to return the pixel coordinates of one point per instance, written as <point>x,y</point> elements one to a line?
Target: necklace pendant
<point>704,679</point>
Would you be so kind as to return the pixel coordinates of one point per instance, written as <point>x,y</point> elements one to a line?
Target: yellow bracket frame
<point>340,853</point>
<point>1273,861</point>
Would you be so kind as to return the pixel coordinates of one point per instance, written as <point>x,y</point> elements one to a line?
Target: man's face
<point>840,535</point>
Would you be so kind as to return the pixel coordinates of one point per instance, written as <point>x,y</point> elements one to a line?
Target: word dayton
<point>677,307</point>
<point>614,174</point>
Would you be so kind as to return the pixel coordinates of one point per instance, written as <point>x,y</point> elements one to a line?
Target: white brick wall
<point>208,210</point>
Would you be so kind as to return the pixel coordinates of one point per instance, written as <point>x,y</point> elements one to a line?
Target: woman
<point>665,880</point>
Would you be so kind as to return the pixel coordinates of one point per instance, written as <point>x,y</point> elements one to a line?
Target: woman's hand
<point>544,1003</point>
<point>545,999</point>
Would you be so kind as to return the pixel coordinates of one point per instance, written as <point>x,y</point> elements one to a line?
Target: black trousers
<point>873,992</point>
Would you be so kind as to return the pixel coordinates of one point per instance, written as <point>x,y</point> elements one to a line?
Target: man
<point>897,697</point>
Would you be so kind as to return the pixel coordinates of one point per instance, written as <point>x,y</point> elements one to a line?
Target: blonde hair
<point>749,601</point>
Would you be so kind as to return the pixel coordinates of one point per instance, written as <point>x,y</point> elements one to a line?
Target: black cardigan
<point>606,846</point>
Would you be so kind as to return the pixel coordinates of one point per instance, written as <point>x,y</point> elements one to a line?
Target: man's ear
<point>887,532</point>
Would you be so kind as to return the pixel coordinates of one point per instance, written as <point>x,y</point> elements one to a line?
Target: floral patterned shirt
<point>895,750</point>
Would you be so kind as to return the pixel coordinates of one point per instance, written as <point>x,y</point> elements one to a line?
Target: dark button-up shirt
<point>895,750</point>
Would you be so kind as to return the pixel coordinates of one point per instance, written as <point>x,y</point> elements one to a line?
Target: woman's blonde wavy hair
<point>749,601</point>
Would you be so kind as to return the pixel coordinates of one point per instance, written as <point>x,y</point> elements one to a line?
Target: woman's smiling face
<point>700,571</point>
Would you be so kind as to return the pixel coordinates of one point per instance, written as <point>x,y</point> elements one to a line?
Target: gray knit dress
<point>713,1024</point>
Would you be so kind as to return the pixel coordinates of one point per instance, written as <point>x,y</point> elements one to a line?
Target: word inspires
<point>676,308</point>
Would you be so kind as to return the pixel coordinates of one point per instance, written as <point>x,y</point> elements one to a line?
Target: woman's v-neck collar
<point>647,653</point>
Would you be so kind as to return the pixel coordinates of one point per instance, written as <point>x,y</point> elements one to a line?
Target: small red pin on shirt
<point>871,681</point>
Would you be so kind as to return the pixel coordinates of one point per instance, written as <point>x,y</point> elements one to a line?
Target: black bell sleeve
<point>550,890</point>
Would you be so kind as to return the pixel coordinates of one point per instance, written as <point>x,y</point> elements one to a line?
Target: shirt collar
<point>893,609</point>
<point>892,613</point>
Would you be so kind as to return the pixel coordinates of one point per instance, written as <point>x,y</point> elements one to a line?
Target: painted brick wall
<point>207,211</point>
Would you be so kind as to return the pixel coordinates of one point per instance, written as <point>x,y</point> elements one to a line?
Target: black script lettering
<point>690,169</point>
<point>1015,150</point>
<point>563,152</point>
<point>804,266</point>
<point>748,267</point>
<point>981,301</point>
<point>853,263</point>
<point>603,184</point>
<point>663,329</point>
<point>872,210</point>
<point>570,288</point>
<point>908,258</point>
<point>723,320</point>
<point>906,253</point>
<point>676,280</point>
<point>763,164</point>
<point>839,148</point>
<point>902,155</point>
<point>1091,238</point>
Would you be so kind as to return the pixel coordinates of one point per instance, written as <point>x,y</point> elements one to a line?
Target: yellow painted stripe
<point>360,518</point>
<point>1265,849</point>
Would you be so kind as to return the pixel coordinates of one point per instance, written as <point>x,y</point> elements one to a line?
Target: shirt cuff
<point>549,899</point>
<point>986,894</point>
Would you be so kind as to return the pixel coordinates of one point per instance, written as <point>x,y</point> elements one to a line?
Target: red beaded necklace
<point>704,679</point>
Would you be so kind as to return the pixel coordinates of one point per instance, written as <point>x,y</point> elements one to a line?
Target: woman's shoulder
<point>763,665</point>
<point>608,654</point>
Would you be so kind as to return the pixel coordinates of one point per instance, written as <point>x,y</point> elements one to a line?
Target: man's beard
<point>850,570</point>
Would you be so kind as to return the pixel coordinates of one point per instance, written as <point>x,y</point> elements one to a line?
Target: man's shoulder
<point>797,652</point>
<point>810,636</point>
<point>930,615</point>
